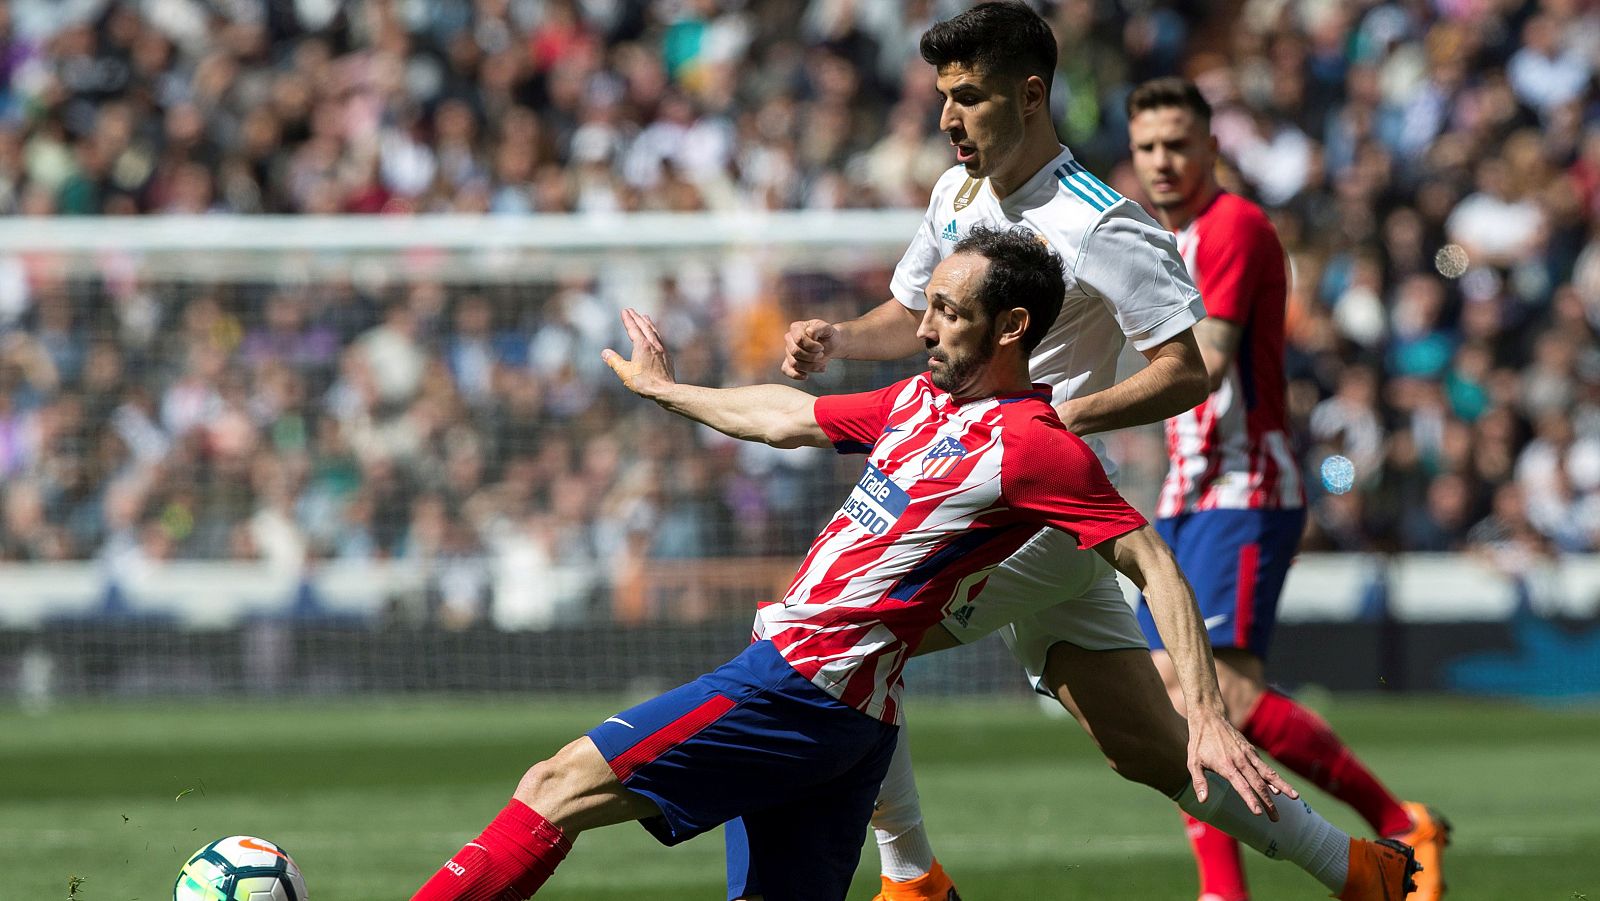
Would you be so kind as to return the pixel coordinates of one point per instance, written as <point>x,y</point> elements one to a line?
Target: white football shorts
<point>1050,591</point>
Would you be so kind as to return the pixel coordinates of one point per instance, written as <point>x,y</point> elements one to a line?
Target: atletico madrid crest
<point>942,458</point>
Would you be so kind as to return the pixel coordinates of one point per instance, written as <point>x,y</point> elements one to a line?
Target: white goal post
<point>471,247</point>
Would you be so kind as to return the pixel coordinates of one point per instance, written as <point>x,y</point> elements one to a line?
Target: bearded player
<point>795,733</point>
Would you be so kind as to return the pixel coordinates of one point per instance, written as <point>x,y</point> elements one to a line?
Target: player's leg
<point>1237,561</point>
<point>750,734</point>
<point>1044,570</point>
<point>1118,697</point>
<point>1216,854</point>
<point>515,854</point>
<point>1305,743</point>
<point>909,871</point>
<point>1209,548</point>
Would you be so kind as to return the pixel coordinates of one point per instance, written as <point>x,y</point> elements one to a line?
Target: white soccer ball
<point>240,868</point>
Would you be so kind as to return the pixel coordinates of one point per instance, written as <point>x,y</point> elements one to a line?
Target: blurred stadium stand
<point>401,420</point>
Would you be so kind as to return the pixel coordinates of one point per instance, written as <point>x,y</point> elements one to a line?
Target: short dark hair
<point>1005,38</point>
<point>1023,272</point>
<point>1161,93</point>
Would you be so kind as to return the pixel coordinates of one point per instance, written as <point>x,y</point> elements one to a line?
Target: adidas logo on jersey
<point>951,233</point>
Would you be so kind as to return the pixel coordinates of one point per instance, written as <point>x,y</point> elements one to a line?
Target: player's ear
<point>1013,325</point>
<point>1035,95</point>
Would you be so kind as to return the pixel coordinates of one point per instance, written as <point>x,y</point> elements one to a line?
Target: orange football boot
<point>933,885</point>
<point>1429,835</point>
<point>1379,871</point>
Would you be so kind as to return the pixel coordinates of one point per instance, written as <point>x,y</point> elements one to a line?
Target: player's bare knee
<point>539,784</point>
<point>552,783</point>
<point>1150,750</point>
<point>1146,761</point>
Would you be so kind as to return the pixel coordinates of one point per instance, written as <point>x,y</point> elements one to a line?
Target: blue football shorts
<point>757,740</point>
<point>1237,561</point>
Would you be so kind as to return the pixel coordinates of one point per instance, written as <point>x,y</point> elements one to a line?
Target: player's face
<point>959,335</point>
<point>1173,155</point>
<point>982,116</point>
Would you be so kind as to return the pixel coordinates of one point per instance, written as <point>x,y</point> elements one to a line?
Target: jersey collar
<point>1046,176</point>
<point>1039,391</point>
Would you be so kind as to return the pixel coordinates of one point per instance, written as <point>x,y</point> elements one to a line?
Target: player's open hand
<point>649,372</point>
<point>1216,746</point>
<point>807,347</point>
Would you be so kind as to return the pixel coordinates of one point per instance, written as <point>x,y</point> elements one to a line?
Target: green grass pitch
<point>372,796</point>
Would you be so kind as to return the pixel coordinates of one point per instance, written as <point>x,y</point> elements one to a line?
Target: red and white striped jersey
<point>1232,451</point>
<point>950,490</point>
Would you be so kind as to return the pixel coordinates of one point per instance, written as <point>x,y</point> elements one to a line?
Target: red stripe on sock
<point>1305,743</point>
<point>1244,598</point>
<point>664,739</point>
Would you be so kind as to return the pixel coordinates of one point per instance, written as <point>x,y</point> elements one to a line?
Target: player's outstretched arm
<point>886,332</point>
<point>772,414</point>
<point>1214,744</point>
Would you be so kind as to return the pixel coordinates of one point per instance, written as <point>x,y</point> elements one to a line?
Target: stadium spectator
<point>1434,171</point>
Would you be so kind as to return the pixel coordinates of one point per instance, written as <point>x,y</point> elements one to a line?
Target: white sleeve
<point>1133,264</point>
<point>916,267</point>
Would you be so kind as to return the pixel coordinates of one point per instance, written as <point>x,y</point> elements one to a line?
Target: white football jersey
<point>1124,276</point>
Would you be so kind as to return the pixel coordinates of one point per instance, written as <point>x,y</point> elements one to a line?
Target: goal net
<point>330,455</point>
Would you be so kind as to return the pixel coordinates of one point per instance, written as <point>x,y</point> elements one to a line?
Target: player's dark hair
<point>1023,272</point>
<point>1162,93</point>
<point>1006,38</point>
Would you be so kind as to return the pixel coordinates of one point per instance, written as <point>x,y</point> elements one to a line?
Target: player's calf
<point>514,855</point>
<point>522,846</point>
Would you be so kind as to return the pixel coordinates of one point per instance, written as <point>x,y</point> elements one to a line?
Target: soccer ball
<point>240,868</point>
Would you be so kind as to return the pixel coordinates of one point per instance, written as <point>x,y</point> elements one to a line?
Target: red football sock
<point>1217,853</point>
<point>513,857</point>
<point>1305,743</point>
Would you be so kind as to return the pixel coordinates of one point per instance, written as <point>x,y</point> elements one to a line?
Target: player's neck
<point>1039,148</point>
<point>1177,218</point>
<point>996,380</point>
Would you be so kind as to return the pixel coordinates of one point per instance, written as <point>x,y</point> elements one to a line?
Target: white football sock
<point>1300,836</point>
<point>903,849</point>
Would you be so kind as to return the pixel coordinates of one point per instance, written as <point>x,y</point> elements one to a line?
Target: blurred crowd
<point>1433,167</point>
<point>470,434</point>
<point>1434,171</point>
<point>502,106</point>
